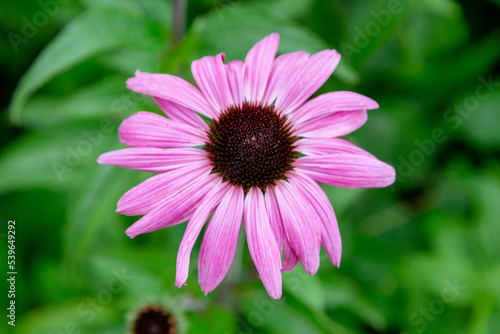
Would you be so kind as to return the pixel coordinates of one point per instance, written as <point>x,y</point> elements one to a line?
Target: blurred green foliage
<point>419,257</point>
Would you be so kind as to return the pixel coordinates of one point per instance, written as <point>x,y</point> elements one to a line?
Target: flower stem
<point>179,19</point>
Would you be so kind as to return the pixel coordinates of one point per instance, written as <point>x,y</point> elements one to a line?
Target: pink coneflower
<point>257,160</point>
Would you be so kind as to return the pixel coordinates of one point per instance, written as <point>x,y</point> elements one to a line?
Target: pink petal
<point>330,235</point>
<point>290,259</point>
<point>220,240</point>
<point>262,243</point>
<point>332,102</point>
<point>145,196</point>
<point>258,64</point>
<point>325,146</point>
<point>347,170</point>
<point>154,160</point>
<point>283,70</point>
<point>307,80</point>
<point>145,129</point>
<point>182,114</point>
<point>175,208</point>
<point>171,88</point>
<point>273,213</point>
<point>301,225</point>
<point>235,71</point>
<point>210,75</point>
<point>193,229</point>
<point>338,124</point>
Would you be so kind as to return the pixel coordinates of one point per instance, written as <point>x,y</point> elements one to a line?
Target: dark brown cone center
<point>154,320</point>
<point>251,145</point>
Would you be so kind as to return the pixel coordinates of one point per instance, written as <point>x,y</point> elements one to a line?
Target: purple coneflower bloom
<point>257,160</point>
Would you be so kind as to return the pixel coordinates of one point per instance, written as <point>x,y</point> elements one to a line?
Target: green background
<point>421,256</point>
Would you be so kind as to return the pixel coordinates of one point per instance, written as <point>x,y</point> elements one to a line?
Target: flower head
<point>263,151</point>
<point>154,320</point>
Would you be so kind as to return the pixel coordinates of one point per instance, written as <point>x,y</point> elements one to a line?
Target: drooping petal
<point>332,102</point>
<point>347,170</point>
<point>154,160</point>
<point>145,129</point>
<point>210,75</point>
<point>301,225</point>
<point>335,125</point>
<point>175,208</point>
<point>290,259</point>
<point>274,216</point>
<point>235,71</point>
<point>262,243</point>
<point>307,80</point>
<point>283,70</point>
<point>258,64</point>
<point>220,240</point>
<point>325,146</point>
<point>145,196</point>
<point>179,113</point>
<point>194,227</point>
<point>330,235</point>
<point>171,88</point>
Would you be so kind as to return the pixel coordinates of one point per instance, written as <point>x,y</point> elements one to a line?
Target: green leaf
<point>310,291</point>
<point>214,320</point>
<point>290,9</point>
<point>480,116</point>
<point>342,198</point>
<point>92,219</point>
<point>161,10</point>
<point>341,292</point>
<point>71,316</point>
<point>145,271</point>
<point>263,313</point>
<point>50,158</point>
<point>89,103</point>
<point>486,194</point>
<point>90,34</point>
<point>305,288</point>
<point>127,61</point>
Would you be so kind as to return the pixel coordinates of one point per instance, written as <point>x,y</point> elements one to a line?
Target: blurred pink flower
<point>259,160</point>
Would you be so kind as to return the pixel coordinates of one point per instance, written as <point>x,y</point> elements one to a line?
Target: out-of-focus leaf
<point>305,288</point>
<point>441,272</point>
<point>275,316</point>
<point>342,198</point>
<point>50,159</point>
<point>486,192</point>
<point>385,220</point>
<point>369,28</point>
<point>92,33</point>
<point>74,315</point>
<point>92,218</point>
<point>309,291</point>
<point>94,102</point>
<point>214,320</point>
<point>340,292</point>
<point>441,75</point>
<point>128,61</point>
<point>290,9</point>
<point>161,10</point>
<point>480,115</point>
<point>143,273</point>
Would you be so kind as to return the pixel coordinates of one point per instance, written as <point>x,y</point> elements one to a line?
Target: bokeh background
<point>421,256</point>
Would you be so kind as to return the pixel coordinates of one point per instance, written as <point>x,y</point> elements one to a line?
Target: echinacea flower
<point>256,161</point>
<point>154,319</point>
